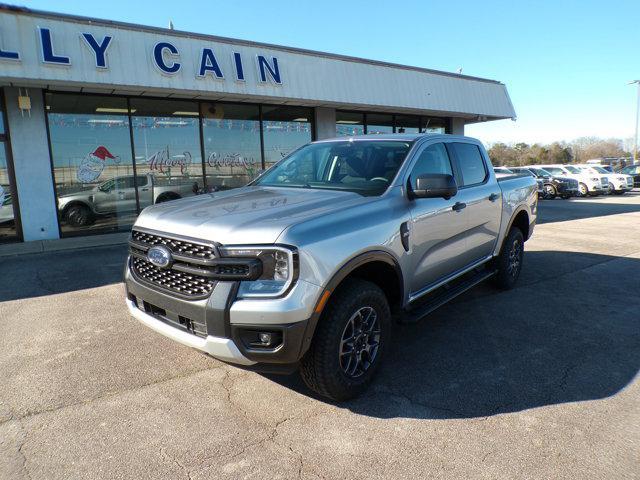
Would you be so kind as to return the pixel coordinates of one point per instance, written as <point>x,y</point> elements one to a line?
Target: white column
<point>325,122</point>
<point>32,166</point>
<point>457,126</point>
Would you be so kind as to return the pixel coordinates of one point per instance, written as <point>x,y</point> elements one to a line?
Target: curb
<point>42,246</point>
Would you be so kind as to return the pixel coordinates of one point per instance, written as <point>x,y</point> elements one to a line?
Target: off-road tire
<point>320,368</point>
<point>78,215</point>
<point>506,277</point>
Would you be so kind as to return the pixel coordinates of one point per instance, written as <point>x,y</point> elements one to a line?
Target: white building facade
<point>100,119</point>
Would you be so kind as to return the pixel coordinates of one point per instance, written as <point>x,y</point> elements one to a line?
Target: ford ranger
<point>312,265</point>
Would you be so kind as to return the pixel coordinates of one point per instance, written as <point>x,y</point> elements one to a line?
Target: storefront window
<point>407,124</point>
<point>8,211</point>
<point>433,125</point>
<point>92,164</point>
<point>379,123</point>
<point>231,134</point>
<point>349,123</point>
<point>284,130</point>
<point>166,140</point>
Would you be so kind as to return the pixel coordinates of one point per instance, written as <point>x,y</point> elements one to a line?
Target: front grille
<point>605,182</point>
<point>189,249</point>
<point>187,284</point>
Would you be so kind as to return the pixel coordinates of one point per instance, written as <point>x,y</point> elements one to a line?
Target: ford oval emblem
<point>159,256</point>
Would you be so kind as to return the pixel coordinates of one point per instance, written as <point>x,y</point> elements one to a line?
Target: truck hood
<point>248,215</point>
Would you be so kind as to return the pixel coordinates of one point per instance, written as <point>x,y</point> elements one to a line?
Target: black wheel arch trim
<point>342,273</point>
<point>513,218</point>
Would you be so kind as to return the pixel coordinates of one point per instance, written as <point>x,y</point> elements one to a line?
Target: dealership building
<point>99,119</point>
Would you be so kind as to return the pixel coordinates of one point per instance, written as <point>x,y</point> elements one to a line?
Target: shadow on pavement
<point>571,339</point>
<point>558,210</point>
<point>35,275</point>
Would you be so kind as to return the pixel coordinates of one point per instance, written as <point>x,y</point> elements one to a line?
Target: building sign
<point>165,56</point>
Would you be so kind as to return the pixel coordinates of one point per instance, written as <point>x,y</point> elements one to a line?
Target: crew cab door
<point>145,190</point>
<point>437,230</point>
<point>478,189</point>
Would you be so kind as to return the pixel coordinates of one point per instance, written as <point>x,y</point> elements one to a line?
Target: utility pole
<point>635,132</point>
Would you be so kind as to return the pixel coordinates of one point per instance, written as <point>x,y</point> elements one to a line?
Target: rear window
<point>471,163</point>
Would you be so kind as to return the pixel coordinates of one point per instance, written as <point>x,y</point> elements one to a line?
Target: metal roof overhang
<point>308,78</point>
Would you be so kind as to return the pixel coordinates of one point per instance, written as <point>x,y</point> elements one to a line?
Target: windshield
<point>366,167</point>
<point>572,169</point>
<point>599,169</point>
<point>555,170</point>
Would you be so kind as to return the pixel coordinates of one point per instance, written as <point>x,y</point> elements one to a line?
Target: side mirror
<point>434,185</point>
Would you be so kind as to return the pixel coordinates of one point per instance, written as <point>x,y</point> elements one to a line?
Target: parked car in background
<point>553,185</point>
<point>309,265</point>
<point>504,171</point>
<point>619,183</point>
<point>588,184</point>
<point>634,171</point>
<point>118,194</point>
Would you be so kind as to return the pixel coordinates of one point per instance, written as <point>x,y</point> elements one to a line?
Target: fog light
<point>265,338</point>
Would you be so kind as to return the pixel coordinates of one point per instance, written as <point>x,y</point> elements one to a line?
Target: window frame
<point>420,151</point>
<point>5,141</point>
<point>452,151</point>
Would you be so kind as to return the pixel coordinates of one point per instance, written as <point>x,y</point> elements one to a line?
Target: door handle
<point>145,189</point>
<point>459,206</point>
<point>493,197</point>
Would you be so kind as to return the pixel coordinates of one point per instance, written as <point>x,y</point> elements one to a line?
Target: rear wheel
<point>349,341</point>
<point>168,196</point>
<point>509,262</point>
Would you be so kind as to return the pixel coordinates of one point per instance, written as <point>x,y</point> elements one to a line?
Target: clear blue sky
<point>566,64</point>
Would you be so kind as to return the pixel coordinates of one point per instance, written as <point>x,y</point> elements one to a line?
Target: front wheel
<point>349,341</point>
<point>509,262</point>
<point>549,192</point>
<point>78,216</point>
<point>583,190</point>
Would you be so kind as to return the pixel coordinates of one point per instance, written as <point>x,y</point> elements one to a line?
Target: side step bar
<point>449,293</point>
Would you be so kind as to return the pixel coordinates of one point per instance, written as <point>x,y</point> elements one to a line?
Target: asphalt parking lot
<point>537,382</point>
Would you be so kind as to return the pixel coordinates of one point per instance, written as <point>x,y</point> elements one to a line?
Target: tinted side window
<point>124,182</point>
<point>471,163</point>
<point>433,159</point>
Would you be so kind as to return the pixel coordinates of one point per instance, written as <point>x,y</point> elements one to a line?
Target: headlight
<point>594,179</point>
<point>621,179</point>
<point>279,269</point>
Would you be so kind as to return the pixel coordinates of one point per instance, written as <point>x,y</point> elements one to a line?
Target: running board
<point>419,312</point>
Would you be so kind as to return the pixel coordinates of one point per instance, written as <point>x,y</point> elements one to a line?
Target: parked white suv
<point>619,183</point>
<point>588,183</point>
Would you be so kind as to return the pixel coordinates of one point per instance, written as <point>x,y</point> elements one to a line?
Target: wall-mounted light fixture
<point>24,102</point>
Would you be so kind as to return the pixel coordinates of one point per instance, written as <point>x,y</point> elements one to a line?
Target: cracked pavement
<point>537,382</point>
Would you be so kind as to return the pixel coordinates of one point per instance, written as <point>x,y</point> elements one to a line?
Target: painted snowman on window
<point>93,164</point>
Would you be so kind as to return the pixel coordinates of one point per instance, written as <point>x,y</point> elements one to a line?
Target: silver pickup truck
<point>118,194</point>
<point>312,265</point>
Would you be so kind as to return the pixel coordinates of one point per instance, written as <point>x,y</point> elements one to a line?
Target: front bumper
<point>219,325</point>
